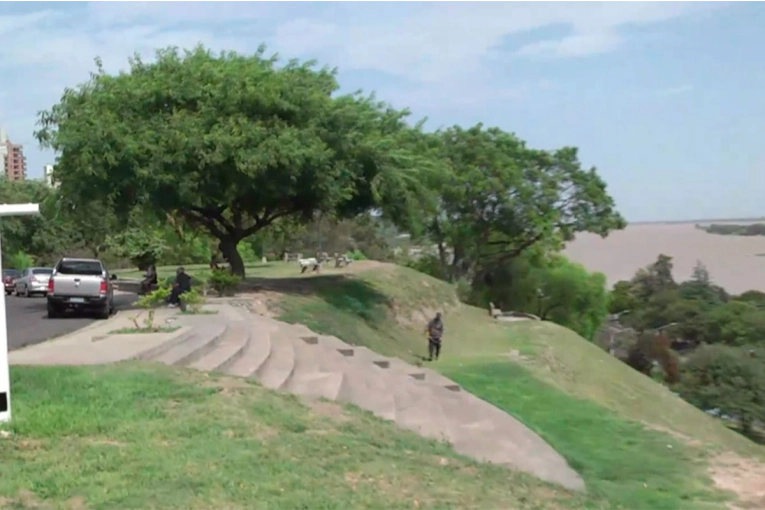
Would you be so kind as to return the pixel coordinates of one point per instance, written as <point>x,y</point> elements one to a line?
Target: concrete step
<point>424,401</point>
<point>409,404</point>
<point>257,352</point>
<point>317,373</point>
<point>229,350</point>
<point>367,389</point>
<point>279,365</point>
<point>488,434</point>
<point>201,341</point>
<point>362,384</point>
<point>418,409</point>
<point>433,377</point>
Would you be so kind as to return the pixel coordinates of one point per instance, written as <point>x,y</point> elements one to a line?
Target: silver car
<point>33,280</point>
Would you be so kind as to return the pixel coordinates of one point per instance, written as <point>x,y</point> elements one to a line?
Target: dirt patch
<point>741,476</point>
<point>266,303</point>
<point>364,265</point>
<point>329,410</point>
<point>107,442</point>
<point>675,434</point>
<point>24,499</point>
<point>414,319</point>
<point>76,503</point>
<point>228,385</point>
<point>516,356</point>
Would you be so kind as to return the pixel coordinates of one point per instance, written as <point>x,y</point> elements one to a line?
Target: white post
<point>5,375</point>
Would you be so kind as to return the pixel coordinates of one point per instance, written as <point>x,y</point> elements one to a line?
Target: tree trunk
<point>228,247</point>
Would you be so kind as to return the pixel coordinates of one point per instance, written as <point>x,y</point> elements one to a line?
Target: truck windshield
<point>80,267</point>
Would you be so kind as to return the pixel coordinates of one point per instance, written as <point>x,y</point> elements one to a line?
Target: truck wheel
<point>53,313</point>
<point>105,312</point>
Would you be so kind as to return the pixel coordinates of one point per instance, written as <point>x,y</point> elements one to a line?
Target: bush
<point>429,265</point>
<point>356,255</point>
<point>224,282</point>
<point>21,260</point>
<point>193,299</point>
<point>155,298</point>
<point>729,380</point>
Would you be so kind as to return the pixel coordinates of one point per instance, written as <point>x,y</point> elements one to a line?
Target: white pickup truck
<point>82,285</point>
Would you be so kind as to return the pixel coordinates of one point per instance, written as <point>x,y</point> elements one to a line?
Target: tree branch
<point>214,214</point>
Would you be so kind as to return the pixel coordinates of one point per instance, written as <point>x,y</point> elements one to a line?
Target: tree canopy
<point>501,197</point>
<point>234,144</point>
<point>230,143</point>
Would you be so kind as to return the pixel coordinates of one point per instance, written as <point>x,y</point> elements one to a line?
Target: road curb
<point>84,329</point>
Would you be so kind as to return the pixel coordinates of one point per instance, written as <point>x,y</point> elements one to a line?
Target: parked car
<point>33,280</point>
<point>9,280</point>
<point>81,285</point>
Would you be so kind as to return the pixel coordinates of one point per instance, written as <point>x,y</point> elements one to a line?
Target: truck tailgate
<point>77,285</point>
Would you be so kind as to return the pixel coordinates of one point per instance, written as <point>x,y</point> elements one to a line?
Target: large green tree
<point>43,237</point>
<point>500,198</point>
<point>232,143</point>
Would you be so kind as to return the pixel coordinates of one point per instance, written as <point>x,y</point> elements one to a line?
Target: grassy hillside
<point>636,444</point>
<point>132,436</point>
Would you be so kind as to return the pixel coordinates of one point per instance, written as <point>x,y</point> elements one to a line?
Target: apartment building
<point>14,163</point>
<point>3,150</point>
<point>48,176</point>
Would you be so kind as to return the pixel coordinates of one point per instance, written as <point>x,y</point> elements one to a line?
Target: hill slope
<point>635,443</point>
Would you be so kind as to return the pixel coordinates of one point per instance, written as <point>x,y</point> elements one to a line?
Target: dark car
<point>9,279</point>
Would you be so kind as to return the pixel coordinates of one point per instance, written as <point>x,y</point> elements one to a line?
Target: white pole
<point>5,375</point>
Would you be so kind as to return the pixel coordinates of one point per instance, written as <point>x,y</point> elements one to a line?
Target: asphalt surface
<point>28,321</point>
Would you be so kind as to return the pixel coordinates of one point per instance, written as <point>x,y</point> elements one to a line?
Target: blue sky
<point>667,100</point>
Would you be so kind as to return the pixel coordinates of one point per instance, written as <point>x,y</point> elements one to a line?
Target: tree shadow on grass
<point>346,294</point>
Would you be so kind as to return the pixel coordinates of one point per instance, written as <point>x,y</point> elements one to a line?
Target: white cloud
<point>438,55</point>
<point>673,91</point>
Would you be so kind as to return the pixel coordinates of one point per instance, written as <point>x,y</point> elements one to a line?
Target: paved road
<point>28,321</point>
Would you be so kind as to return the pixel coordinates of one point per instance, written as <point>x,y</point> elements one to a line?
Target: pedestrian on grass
<point>435,331</point>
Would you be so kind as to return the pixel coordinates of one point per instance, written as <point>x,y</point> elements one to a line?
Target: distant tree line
<point>726,229</point>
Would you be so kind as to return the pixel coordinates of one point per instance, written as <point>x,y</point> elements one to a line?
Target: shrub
<point>21,260</point>
<point>356,255</point>
<point>224,282</point>
<point>429,265</point>
<point>192,299</point>
<point>729,380</point>
<point>149,302</point>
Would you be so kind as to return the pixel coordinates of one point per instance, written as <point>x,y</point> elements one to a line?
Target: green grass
<point>146,330</point>
<point>199,312</point>
<point>151,437</point>
<point>620,460</point>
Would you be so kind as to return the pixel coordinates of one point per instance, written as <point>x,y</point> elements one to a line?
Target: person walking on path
<point>435,332</point>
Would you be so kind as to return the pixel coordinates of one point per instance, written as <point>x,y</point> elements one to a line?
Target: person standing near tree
<point>435,331</point>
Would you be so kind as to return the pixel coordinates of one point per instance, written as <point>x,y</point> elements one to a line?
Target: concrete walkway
<point>292,358</point>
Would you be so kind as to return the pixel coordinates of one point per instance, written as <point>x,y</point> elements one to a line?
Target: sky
<point>666,99</point>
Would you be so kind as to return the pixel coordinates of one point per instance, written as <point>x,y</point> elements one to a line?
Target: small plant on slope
<point>149,302</point>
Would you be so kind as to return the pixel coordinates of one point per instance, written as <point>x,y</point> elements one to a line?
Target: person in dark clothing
<point>182,284</point>
<point>435,332</point>
<point>149,279</point>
